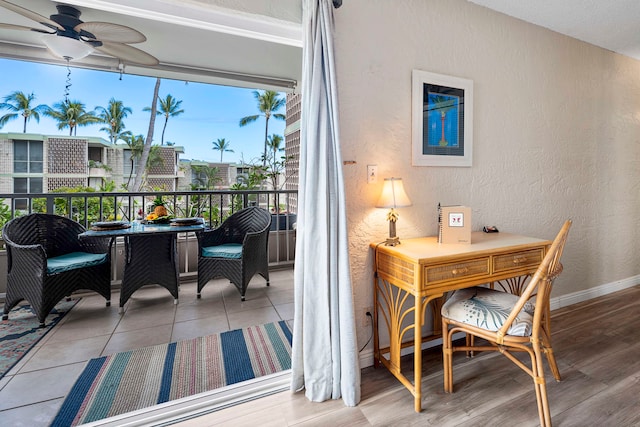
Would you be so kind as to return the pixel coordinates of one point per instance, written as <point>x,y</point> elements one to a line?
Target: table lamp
<point>393,196</point>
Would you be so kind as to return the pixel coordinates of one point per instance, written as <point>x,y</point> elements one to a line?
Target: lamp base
<point>392,241</point>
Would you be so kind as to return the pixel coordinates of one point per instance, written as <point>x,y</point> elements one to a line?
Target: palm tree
<point>19,103</point>
<point>206,176</point>
<point>442,104</point>
<point>137,183</point>
<point>275,165</point>
<point>113,116</point>
<point>268,103</point>
<point>169,107</point>
<point>222,145</point>
<point>136,145</point>
<point>72,114</point>
<point>274,142</point>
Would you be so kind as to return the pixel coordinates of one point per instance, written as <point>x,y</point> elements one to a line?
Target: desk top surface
<point>427,248</point>
<point>137,229</point>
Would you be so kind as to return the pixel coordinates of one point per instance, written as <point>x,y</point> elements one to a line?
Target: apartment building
<point>292,147</point>
<point>34,163</point>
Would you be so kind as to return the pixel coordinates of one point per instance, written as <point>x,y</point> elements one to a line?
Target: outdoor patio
<point>33,391</point>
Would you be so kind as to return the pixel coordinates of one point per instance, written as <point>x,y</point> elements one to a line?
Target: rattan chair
<point>46,262</point>
<point>510,323</point>
<point>236,250</point>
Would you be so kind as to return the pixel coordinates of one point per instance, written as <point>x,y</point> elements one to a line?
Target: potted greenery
<point>98,169</point>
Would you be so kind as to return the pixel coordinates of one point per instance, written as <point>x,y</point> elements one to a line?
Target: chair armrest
<point>255,243</point>
<point>96,245</point>
<point>213,237</point>
<point>23,258</point>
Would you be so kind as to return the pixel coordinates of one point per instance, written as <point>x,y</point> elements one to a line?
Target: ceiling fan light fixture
<point>67,47</point>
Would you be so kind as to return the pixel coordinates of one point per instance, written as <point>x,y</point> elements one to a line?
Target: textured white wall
<point>556,133</point>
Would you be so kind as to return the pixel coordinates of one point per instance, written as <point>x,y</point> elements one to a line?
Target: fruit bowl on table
<point>158,220</point>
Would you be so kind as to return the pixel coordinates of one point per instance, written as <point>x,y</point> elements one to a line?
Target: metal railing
<point>214,206</point>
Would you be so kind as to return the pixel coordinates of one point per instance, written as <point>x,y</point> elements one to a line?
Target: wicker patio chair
<point>46,262</point>
<point>236,250</point>
<point>510,323</point>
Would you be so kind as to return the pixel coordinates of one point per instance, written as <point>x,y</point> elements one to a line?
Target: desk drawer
<point>458,270</point>
<point>530,258</point>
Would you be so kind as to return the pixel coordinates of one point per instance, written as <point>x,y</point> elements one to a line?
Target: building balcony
<point>98,173</point>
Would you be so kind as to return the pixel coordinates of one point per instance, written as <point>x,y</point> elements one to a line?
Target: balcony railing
<point>211,205</point>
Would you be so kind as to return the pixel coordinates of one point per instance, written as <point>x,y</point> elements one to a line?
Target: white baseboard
<point>591,293</point>
<point>366,356</point>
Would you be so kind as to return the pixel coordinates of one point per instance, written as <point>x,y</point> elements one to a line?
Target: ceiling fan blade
<point>127,53</point>
<point>115,33</point>
<point>23,28</point>
<point>31,15</point>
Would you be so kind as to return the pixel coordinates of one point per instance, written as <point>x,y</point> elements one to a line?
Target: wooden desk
<point>426,270</point>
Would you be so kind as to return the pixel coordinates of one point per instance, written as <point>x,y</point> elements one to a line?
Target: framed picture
<point>442,120</point>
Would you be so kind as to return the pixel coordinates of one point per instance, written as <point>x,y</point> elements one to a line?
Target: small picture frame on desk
<point>441,120</point>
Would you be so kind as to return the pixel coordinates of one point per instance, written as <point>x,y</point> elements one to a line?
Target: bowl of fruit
<point>159,215</point>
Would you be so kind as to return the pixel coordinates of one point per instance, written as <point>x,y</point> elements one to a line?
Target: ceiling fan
<point>70,38</point>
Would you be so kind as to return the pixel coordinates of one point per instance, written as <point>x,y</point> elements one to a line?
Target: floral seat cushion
<point>488,309</point>
<point>73,260</point>
<point>227,250</point>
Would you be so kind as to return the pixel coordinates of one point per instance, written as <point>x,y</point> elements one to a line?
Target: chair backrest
<point>248,220</point>
<point>58,235</point>
<point>541,284</point>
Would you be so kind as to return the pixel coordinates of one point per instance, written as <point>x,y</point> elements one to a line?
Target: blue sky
<point>210,112</point>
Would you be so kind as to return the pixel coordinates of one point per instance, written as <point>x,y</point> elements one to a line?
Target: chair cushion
<point>488,309</point>
<point>73,260</point>
<point>227,250</point>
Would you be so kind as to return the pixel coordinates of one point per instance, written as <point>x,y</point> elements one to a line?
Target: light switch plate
<point>372,174</point>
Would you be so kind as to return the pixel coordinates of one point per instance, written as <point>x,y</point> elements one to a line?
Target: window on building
<point>25,185</point>
<point>27,157</point>
<point>199,178</point>
<point>95,154</point>
<point>126,167</point>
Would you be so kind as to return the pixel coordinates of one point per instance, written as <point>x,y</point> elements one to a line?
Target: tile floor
<point>33,391</point>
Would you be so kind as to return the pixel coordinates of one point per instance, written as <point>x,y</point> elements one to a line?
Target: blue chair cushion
<point>227,250</point>
<point>488,309</point>
<point>73,260</point>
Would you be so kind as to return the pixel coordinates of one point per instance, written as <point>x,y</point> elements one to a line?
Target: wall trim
<point>591,293</point>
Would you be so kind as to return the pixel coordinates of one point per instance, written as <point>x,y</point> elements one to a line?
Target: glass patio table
<point>150,254</point>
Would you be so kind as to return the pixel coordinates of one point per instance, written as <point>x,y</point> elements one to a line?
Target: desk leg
<point>393,304</point>
<point>417,353</point>
<point>376,337</point>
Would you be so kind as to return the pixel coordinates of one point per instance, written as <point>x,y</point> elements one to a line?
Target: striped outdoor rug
<point>131,380</point>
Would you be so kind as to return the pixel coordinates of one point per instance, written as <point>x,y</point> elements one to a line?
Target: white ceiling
<point>238,42</point>
<point>194,40</point>
<point>611,24</point>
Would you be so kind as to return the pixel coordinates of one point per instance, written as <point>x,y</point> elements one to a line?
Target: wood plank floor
<point>597,347</point>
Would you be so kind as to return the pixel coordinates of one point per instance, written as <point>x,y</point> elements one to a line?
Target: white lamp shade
<point>393,194</point>
<point>67,47</point>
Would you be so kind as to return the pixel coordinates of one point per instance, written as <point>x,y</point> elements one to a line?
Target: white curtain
<point>325,354</point>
